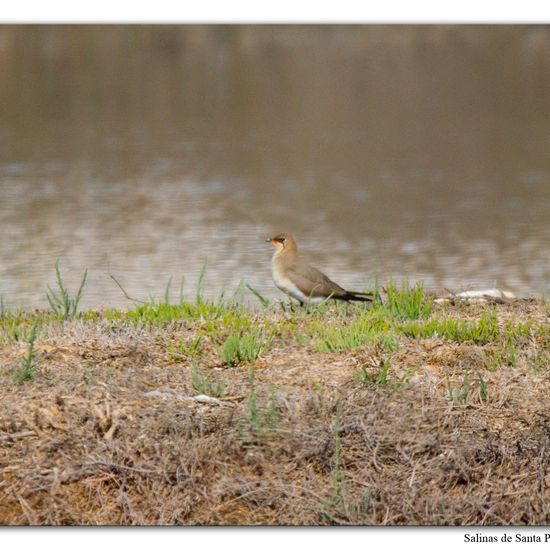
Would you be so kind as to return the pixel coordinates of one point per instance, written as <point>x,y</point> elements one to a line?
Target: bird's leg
<point>307,307</point>
<point>291,306</point>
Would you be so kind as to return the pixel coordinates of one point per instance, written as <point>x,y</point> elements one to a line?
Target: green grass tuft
<point>28,369</point>
<point>203,384</point>
<point>483,331</point>
<point>408,302</point>
<point>370,326</point>
<point>181,350</point>
<point>61,302</point>
<point>240,347</point>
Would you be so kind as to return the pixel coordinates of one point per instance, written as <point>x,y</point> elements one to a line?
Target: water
<point>419,152</point>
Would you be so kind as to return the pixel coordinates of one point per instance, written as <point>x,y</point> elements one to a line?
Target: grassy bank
<point>210,412</point>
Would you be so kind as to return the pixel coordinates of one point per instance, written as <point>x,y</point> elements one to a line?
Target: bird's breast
<point>284,283</point>
<point>280,279</point>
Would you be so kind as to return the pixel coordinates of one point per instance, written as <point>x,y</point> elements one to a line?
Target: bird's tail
<point>358,296</point>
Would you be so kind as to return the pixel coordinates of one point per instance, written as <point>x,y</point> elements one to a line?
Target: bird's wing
<point>312,283</point>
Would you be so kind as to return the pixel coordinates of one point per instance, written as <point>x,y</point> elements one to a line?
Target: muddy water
<point>419,152</point>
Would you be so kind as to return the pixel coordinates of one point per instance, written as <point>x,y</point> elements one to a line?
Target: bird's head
<point>282,241</point>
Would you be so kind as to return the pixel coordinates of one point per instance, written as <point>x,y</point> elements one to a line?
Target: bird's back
<point>313,282</point>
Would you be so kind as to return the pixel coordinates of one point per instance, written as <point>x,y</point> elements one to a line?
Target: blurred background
<point>403,151</point>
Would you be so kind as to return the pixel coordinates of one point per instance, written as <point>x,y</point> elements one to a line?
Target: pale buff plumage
<point>302,281</point>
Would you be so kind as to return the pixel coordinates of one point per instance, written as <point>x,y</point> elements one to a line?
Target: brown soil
<point>105,433</point>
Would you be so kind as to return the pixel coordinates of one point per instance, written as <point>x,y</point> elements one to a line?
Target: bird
<point>303,282</point>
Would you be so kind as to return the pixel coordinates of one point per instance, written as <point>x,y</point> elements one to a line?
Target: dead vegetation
<point>124,423</point>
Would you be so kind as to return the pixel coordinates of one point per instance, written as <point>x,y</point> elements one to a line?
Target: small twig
<point>126,295</point>
<point>113,466</point>
<point>411,479</point>
<point>13,437</point>
<point>376,465</point>
<point>207,400</point>
<point>203,399</point>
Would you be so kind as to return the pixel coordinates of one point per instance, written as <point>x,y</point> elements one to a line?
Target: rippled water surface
<point>419,152</point>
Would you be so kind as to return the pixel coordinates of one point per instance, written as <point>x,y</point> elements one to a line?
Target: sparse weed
<point>181,293</point>
<point>541,360</point>
<point>336,467</point>
<point>443,516</point>
<point>381,376</point>
<point>203,384</point>
<point>514,333</point>
<point>542,335</point>
<point>167,292</point>
<point>14,328</point>
<point>340,501</point>
<point>491,360</point>
<point>506,355</point>
<point>317,398</point>
<point>272,414</point>
<point>181,350</point>
<point>88,375</point>
<point>259,421</point>
<point>264,301</point>
<point>509,357</point>
<point>317,387</point>
<point>363,376</point>
<point>241,347</point>
<point>464,392</point>
<point>199,296</point>
<point>252,412</point>
<point>483,393</point>
<point>460,394</point>
<point>28,368</point>
<point>16,325</point>
<point>388,341</point>
<point>512,355</point>
<point>60,300</point>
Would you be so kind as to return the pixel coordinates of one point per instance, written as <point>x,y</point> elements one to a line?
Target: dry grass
<point>433,432</point>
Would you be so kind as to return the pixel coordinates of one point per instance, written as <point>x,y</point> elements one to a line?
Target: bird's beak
<point>268,240</point>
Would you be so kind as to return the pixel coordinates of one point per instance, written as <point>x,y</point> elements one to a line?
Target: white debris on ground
<point>489,294</point>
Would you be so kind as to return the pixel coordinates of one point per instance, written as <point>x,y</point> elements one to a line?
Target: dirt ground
<point>111,431</point>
